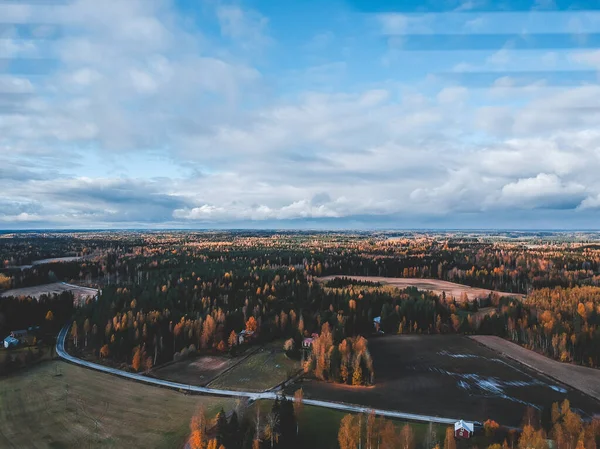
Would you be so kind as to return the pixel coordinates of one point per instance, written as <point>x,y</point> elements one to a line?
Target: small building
<point>308,341</point>
<point>463,429</point>
<point>19,337</point>
<point>245,336</point>
<point>377,323</point>
<point>10,342</point>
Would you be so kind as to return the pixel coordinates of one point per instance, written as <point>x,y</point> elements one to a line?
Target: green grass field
<point>57,405</point>
<point>261,371</point>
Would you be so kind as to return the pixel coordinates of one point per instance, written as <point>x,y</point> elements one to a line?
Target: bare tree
<point>272,431</point>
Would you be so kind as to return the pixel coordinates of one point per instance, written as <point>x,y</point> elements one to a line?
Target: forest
<point>168,292</point>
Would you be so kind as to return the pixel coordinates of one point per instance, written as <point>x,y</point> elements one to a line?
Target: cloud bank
<point>149,115</point>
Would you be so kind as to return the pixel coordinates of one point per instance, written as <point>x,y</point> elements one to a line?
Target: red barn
<point>463,429</point>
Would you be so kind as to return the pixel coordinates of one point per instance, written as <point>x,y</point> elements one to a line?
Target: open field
<point>197,371</point>
<point>434,285</point>
<point>39,409</point>
<point>452,377</point>
<point>262,371</point>
<point>46,261</point>
<point>579,377</point>
<point>51,289</point>
<point>21,353</point>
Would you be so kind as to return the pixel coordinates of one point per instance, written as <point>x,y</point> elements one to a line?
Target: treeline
<point>48,312</point>
<point>343,281</point>
<point>244,429</point>
<point>567,431</point>
<point>562,323</point>
<point>509,267</point>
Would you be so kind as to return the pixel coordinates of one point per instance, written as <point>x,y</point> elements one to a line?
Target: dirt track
<point>581,378</point>
<point>434,285</point>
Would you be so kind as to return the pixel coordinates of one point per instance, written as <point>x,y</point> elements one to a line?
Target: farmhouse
<point>15,338</point>
<point>377,323</point>
<point>463,429</point>
<point>10,342</point>
<point>245,336</point>
<point>308,341</point>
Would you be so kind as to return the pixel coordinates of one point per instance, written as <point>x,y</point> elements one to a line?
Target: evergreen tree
<point>222,427</point>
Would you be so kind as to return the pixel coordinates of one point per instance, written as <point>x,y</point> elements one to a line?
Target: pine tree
<point>222,427</point>
<point>232,439</point>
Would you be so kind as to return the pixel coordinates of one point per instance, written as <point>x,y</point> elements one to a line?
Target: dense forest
<point>169,294</point>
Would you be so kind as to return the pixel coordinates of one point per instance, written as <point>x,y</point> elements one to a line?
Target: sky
<point>337,114</point>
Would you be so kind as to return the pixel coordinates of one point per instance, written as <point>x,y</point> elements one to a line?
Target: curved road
<point>60,350</point>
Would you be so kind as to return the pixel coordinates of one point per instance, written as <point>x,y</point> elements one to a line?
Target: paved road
<point>253,396</point>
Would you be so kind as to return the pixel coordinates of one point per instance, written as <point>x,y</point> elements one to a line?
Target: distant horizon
<point>360,230</point>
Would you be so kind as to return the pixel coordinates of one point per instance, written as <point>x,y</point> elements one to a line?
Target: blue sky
<point>296,114</point>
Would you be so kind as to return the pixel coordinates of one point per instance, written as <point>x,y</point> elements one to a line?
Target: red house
<point>463,429</point>
<point>307,342</point>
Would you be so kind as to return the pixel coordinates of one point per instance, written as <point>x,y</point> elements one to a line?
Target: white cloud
<point>23,217</point>
<point>545,190</point>
<point>134,78</point>
<point>245,26</point>
<point>590,58</point>
<point>392,23</point>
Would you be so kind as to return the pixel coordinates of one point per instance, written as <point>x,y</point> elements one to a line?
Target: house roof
<point>464,425</point>
<point>11,341</point>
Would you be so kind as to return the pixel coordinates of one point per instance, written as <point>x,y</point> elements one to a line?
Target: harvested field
<point>51,289</point>
<point>262,371</point>
<point>198,371</point>
<point>451,376</point>
<point>581,378</point>
<point>434,285</point>
<point>42,410</point>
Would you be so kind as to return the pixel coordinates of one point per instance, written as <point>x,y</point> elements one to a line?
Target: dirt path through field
<point>586,380</point>
<point>434,285</point>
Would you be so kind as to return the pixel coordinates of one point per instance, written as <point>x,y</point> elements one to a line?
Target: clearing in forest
<point>437,286</point>
<point>263,370</point>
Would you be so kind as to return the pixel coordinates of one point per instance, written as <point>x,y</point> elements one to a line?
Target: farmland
<point>453,377</point>
<point>198,371</point>
<point>262,371</point>
<point>579,377</point>
<point>55,288</point>
<point>56,405</point>
<point>451,289</point>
